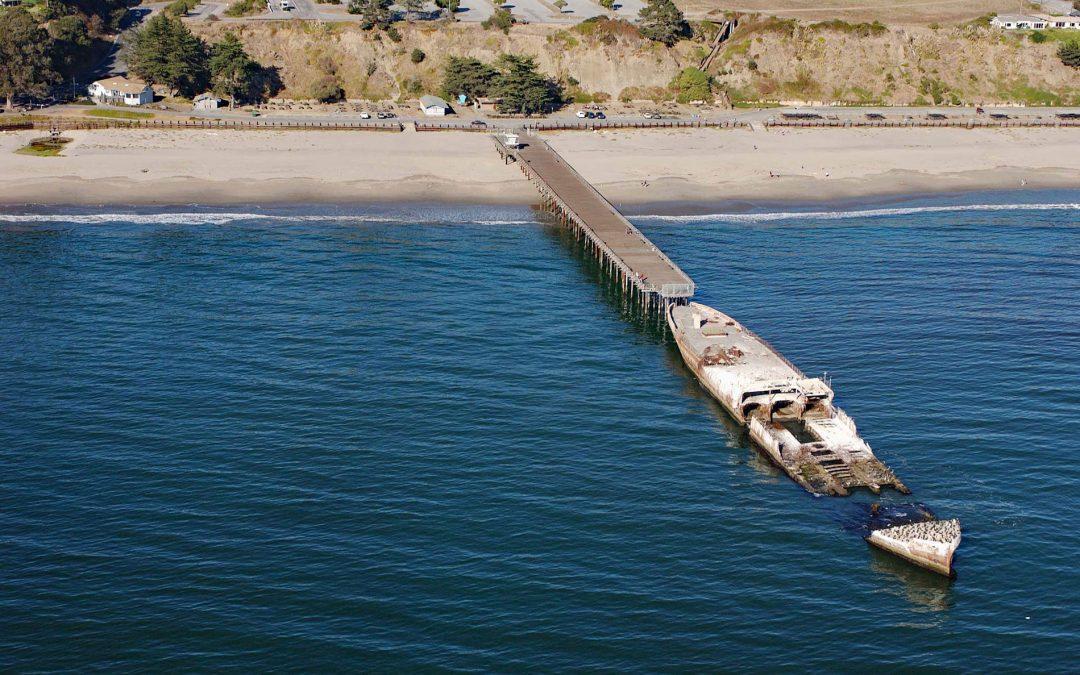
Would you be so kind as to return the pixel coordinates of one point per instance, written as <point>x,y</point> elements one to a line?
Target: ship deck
<point>725,342</point>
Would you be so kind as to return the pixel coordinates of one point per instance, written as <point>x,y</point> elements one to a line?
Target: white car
<point>286,6</point>
<point>581,113</point>
<point>365,115</point>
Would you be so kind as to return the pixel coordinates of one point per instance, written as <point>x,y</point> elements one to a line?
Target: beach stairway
<point>726,28</point>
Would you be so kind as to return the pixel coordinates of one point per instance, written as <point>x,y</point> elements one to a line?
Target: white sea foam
<point>861,213</point>
<point>228,218</point>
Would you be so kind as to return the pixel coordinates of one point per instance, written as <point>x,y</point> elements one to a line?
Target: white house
<point>10,3</point>
<point>433,105</point>
<point>1034,22</point>
<point>207,102</point>
<point>117,90</point>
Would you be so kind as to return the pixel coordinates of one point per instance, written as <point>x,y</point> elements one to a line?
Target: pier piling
<point>646,276</point>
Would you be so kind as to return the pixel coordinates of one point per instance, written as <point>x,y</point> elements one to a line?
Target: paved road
<point>760,115</point>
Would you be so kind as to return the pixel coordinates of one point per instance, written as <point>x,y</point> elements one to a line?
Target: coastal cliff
<point>765,60</point>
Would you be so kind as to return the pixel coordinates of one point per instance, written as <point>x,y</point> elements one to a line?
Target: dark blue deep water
<point>427,438</point>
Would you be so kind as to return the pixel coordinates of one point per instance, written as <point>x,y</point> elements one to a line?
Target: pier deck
<point>636,262</point>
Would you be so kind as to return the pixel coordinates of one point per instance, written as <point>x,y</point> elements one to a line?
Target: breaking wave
<point>861,213</point>
<point>229,218</point>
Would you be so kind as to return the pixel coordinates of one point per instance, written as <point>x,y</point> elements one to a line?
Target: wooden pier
<point>641,269</point>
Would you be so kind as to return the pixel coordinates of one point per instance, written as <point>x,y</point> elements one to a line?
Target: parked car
<point>582,113</point>
<point>601,116</point>
<point>590,114</point>
<point>365,115</point>
<point>384,115</point>
<point>650,115</point>
<point>478,123</point>
<point>287,6</point>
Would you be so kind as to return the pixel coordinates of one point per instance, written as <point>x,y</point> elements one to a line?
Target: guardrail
<point>89,123</point>
<point>965,123</point>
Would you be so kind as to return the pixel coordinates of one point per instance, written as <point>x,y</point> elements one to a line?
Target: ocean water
<point>426,438</point>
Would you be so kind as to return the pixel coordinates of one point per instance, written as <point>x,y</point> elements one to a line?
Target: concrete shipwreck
<point>791,417</point>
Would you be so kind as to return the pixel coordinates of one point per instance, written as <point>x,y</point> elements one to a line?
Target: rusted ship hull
<point>792,419</point>
<point>831,459</point>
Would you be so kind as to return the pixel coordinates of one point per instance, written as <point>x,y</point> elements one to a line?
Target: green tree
<point>1069,53</point>
<point>26,64</point>
<point>232,72</point>
<point>71,39</point>
<point>502,20</point>
<point>468,76</point>
<point>608,4</point>
<point>692,84</point>
<point>662,21</point>
<point>165,52</point>
<point>373,13</point>
<point>523,89</point>
<point>449,6</point>
<point>417,55</point>
<point>560,5</point>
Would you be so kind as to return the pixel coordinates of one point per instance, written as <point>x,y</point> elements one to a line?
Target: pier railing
<point>593,125</point>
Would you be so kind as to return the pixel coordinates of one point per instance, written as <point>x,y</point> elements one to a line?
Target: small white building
<point>121,90</point>
<point>435,106</point>
<point>1034,22</point>
<point>207,102</point>
<point>10,3</point>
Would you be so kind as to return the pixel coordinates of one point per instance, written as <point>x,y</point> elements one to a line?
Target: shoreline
<point>682,172</point>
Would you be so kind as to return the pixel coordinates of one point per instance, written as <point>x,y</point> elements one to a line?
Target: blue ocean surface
<point>421,437</point>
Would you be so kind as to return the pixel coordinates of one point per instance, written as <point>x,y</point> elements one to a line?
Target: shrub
<point>607,31</point>
<point>859,29</point>
<point>393,33</point>
<point>751,64</point>
<point>502,19</point>
<point>608,4</point>
<point>417,55</point>
<point>181,7</point>
<point>1038,37</point>
<point>692,85</point>
<point>244,8</point>
<point>327,89</point>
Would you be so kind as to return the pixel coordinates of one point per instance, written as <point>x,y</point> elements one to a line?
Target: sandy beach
<point>683,170</point>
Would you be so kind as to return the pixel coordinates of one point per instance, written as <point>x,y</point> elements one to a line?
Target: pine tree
<point>373,13</point>
<point>471,77</point>
<point>523,89</point>
<point>26,64</point>
<point>662,21</point>
<point>165,52</point>
<point>1069,53</point>
<point>232,72</point>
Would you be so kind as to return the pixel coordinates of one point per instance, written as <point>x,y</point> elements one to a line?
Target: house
<point>207,102</point>
<point>121,90</point>
<point>433,105</point>
<point>487,103</point>
<point>10,3</point>
<point>1034,22</point>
